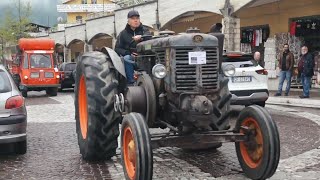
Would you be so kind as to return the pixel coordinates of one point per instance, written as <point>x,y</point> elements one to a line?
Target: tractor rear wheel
<point>97,124</point>
<point>259,156</point>
<point>136,151</point>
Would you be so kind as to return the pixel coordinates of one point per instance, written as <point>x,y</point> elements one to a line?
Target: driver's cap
<point>133,13</point>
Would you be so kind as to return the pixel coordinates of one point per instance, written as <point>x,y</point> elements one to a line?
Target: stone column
<point>231,30</point>
<point>114,40</point>
<point>67,54</point>
<point>270,59</point>
<point>88,47</point>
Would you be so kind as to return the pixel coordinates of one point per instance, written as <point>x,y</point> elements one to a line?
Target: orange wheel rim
<point>252,153</point>
<point>129,152</point>
<point>83,107</point>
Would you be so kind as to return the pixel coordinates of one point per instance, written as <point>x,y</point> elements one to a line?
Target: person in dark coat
<point>286,61</point>
<point>305,67</point>
<point>128,40</point>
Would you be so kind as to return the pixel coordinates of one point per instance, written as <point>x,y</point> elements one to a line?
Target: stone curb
<point>310,103</point>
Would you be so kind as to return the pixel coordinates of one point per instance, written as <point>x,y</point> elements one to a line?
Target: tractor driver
<point>128,40</point>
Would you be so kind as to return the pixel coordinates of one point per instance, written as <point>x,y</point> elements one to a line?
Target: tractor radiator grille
<point>195,78</point>
<point>161,55</point>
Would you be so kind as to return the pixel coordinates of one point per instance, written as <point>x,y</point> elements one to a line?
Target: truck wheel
<point>24,93</point>
<point>52,91</point>
<point>20,147</point>
<point>97,124</point>
<point>259,156</point>
<point>136,151</point>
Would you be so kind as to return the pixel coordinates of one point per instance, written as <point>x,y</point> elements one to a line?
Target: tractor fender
<point>116,60</point>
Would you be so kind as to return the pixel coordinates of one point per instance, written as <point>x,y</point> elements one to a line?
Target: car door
<point>5,93</point>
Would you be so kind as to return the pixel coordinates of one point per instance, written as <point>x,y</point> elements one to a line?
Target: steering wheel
<point>143,38</point>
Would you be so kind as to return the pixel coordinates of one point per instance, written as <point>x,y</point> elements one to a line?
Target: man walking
<point>128,40</point>
<point>286,61</point>
<point>305,67</point>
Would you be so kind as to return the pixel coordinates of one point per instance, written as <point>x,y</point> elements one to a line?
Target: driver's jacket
<point>125,42</point>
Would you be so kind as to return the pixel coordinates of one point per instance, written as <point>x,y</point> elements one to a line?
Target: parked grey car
<point>13,114</point>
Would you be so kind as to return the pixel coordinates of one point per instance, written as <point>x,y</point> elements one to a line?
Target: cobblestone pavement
<point>53,150</point>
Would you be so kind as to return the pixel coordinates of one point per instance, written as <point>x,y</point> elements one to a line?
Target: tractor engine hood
<point>181,40</point>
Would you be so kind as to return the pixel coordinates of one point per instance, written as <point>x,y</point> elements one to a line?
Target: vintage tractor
<point>181,86</point>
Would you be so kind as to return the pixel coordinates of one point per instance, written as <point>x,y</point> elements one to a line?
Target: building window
<point>93,1</point>
<point>79,19</point>
<point>84,1</point>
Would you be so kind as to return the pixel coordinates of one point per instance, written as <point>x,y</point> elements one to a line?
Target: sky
<point>41,10</point>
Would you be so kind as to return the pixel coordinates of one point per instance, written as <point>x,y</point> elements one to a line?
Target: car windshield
<point>40,61</point>
<point>70,67</point>
<point>240,61</point>
<point>5,85</point>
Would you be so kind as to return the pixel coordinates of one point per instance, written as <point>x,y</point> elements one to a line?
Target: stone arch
<point>203,20</point>
<point>76,48</point>
<point>59,50</point>
<point>101,40</point>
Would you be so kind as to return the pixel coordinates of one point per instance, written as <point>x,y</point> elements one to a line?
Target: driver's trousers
<point>129,68</point>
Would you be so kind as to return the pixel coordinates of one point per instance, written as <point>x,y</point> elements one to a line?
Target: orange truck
<point>34,67</point>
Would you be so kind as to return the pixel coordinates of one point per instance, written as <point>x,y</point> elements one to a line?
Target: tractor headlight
<point>159,71</point>
<point>229,70</point>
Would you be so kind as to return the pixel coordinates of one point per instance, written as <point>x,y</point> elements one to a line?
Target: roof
<point>38,25</point>
<point>66,1</point>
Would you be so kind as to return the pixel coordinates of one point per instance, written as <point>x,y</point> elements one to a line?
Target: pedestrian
<point>285,65</point>
<point>257,57</point>
<point>305,67</point>
<point>216,28</point>
<point>128,40</point>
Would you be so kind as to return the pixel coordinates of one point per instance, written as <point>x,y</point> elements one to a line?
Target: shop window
<point>84,2</point>
<point>93,1</point>
<point>307,28</point>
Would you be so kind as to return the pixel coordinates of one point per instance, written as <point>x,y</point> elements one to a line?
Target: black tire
<point>20,147</point>
<point>103,122</point>
<point>146,82</point>
<point>53,91</point>
<point>24,93</point>
<point>221,108</point>
<point>262,103</point>
<point>264,166</point>
<point>61,88</point>
<point>143,161</point>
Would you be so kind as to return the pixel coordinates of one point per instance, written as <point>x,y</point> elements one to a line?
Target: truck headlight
<point>159,71</point>
<point>229,70</point>
<point>25,77</point>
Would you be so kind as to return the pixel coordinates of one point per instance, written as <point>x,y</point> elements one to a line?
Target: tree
<point>16,22</point>
<point>15,25</point>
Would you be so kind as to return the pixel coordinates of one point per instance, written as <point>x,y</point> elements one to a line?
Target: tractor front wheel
<point>136,151</point>
<point>259,155</point>
<point>97,124</point>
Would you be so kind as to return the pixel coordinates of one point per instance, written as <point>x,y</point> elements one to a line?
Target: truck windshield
<point>40,61</point>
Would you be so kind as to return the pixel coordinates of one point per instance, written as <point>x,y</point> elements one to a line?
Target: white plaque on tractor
<point>198,57</point>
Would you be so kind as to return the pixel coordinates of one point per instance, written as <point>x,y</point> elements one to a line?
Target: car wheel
<point>21,147</point>
<point>24,93</point>
<point>52,91</point>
